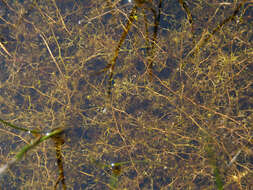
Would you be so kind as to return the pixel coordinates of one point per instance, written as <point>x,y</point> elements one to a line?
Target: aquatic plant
<point>162,87</point>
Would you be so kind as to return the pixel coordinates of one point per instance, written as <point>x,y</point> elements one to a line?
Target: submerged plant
<point>179,78</point>
<point>55,135</point>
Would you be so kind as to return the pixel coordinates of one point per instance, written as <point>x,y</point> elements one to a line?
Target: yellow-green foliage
<point>178,83</point>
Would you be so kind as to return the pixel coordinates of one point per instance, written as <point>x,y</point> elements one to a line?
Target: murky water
<point>147,94</point>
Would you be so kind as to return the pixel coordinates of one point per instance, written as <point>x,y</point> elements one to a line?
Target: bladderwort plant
<point>141,94</point>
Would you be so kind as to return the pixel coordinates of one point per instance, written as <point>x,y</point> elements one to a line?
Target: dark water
<point>180,101</point>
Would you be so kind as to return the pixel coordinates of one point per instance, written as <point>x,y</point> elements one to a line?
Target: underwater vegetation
<point>118,94</point>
